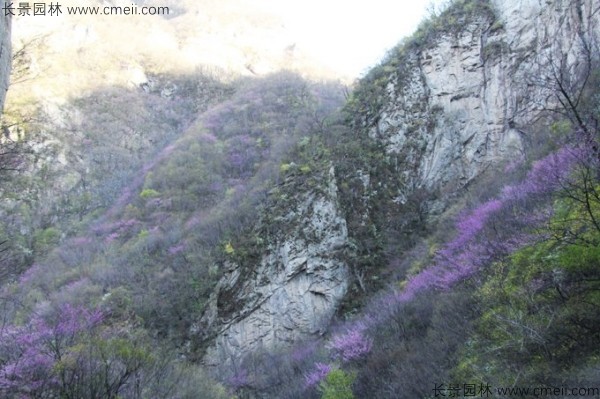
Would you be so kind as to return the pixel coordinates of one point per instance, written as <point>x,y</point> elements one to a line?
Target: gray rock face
<point>5,57</point>
<point>466,101</point>
<point>291,293</point>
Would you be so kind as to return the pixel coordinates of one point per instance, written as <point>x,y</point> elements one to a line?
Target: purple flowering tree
<point>503,224</point>
<point>32,352</point>
<point>317,375</point>
<point>68,354</point>
<point>352,344</point>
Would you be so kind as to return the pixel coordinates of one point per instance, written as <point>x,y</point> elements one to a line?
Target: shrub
<point>285,167</point>
<point>352,344</point>
<point>317,375</point>
<point>337,385</point>
<point>305,169</point>
<point>149,193</point>
<point>46,239</point>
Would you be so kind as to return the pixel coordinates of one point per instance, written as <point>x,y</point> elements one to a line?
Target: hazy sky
<point>346,37</point>
<point>351,35</point>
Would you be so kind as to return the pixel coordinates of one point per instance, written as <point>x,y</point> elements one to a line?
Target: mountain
<point>176,231</point>
<point>460,97</point>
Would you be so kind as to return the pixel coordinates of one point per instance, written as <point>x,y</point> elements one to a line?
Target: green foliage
<point>230,186</point>
<point>498,25</point>
<point>305,169</point>
<point>120,129</point>
<point>561,128</point>
<point>118,303</point>
<point>149,193</point>
<point>337,385</point>
<point>285,167</point>
<point>540,321</point>
<point>382,222</point>
<point>229,250</point>
<point>45,239</point>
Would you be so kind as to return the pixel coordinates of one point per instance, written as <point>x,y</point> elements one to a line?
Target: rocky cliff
<point>463,93</point>
<point>5,56</point>
<point>468,91</point>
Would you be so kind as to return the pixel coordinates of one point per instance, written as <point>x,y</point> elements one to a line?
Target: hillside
<point>204,232</point>
<point>87,109</point>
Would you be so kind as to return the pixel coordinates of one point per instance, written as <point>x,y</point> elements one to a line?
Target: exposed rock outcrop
<point>466,99</point>
<point>5,57</point>
<point>292,292</point>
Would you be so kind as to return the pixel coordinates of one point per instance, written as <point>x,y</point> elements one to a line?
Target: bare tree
<point>566,69</point>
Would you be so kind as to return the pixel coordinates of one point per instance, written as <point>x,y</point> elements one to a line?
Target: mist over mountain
<point>191,205</point>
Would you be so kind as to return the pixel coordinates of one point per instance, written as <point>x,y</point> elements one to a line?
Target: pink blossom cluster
<point>478,242</point>
<point>175,249</point>
<point>352,344</point>
<point>319,372</point>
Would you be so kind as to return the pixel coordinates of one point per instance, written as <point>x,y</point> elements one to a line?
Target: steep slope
<point>87,108</point>
<point>474,88</point>
<point>470,91</point>
<point>195,213</point>
<point>455,115</point>
<point>73,159</point>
